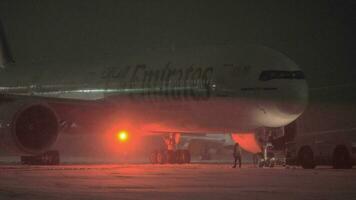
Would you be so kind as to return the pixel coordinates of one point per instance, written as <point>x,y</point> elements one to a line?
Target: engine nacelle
<point>27,128</point>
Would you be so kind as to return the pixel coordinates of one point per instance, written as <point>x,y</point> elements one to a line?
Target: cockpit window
<point>274,74</point>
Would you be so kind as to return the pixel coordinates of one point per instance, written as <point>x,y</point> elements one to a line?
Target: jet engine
<point>27,128</point>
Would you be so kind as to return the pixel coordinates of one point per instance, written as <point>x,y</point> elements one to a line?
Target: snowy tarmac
<point>192,181</point>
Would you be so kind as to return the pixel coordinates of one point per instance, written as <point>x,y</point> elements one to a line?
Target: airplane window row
<point>276,74</point>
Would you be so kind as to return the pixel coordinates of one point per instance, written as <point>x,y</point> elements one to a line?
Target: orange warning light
<point>122,136</point>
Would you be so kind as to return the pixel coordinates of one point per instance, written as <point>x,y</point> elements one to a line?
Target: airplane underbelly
<point>215,115</point>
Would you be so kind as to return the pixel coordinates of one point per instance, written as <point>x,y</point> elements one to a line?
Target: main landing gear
<point>47,158</point>
<point>170,155</point>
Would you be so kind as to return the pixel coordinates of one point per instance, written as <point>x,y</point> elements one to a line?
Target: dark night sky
<point>318,35</point>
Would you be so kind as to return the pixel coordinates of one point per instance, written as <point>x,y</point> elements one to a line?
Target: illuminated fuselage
<point>189,90</point>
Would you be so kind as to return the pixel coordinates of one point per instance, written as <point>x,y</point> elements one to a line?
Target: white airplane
<point>231,89</point>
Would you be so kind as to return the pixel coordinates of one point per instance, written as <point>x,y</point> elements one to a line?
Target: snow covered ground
<point>192,181</point>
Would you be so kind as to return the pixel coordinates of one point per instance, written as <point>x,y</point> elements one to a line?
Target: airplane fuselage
<point>191,90</point>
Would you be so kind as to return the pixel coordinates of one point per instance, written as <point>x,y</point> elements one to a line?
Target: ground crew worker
<point>237,155</point>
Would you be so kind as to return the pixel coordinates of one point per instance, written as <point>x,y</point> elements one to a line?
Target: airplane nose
<point>288,106</point>
<point>294,100</point>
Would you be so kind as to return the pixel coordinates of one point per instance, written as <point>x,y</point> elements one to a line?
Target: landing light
<point>122,136</point>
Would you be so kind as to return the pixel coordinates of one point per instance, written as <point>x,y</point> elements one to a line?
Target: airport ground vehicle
<point>337,148</point>
<point>326,133</point>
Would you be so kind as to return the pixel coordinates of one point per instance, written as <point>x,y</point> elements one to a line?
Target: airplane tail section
<point>5,53</point>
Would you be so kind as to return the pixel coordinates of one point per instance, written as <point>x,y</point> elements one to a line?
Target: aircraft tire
<point>153,157</point>
<point>186,156</point>
<point>179,157</point>
<point>52,158</point>
<point>341,158</point>
<point>161,157</point>
<point>306,158</point>
<point>171,156</point>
